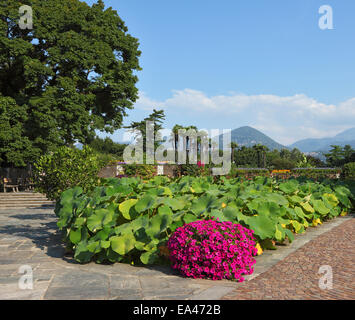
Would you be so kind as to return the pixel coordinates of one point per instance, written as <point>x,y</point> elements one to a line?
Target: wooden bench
<point>8,183</point>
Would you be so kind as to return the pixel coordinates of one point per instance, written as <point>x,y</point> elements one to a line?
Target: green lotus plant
<point>130,220</point>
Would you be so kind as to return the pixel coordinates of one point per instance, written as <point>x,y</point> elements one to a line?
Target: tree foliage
<point>15,147</point>
<point>108,147</point>
<point>338,156</point>
<point>70,75</point>
<point>139,128</point>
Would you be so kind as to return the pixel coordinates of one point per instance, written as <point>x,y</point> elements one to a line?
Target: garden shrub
<point>248,172</point>
<point>280,163</point>
<point>145,171</point>
<point>349,170</point>
<point>212,249</point>
<point>194,170</point>
<point>316,173</point>
<point>66,168</point>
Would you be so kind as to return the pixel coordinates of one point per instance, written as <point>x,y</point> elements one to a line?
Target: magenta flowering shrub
<point>213,249</point>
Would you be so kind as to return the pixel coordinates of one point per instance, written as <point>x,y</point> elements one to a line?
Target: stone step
<point>10,200</point>
<point>27,204</point>
<point>23,199</point>
<point>22,206</point>
<point>21,194</point>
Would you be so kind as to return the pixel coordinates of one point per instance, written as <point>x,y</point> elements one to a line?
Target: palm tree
<point>233,146</point>
<point>175,139</point>
<point>201,140</point>
<point>260,149</point>
<point>187,141</point>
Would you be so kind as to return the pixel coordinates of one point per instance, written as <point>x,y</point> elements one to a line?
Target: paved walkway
<point>298,276</point>
<point>30,237</point>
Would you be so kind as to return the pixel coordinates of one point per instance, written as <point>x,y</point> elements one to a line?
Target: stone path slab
<point>30,237</point>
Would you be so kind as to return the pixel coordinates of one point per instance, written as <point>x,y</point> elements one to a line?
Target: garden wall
<point>172,170</point>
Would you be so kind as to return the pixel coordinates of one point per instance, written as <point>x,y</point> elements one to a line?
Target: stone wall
<point>114,170</point>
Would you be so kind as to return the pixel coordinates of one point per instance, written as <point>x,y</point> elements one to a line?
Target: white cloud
<point>146,103</point>
<point>285,119</point>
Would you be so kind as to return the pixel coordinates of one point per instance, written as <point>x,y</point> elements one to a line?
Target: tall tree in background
<point>335,156</point>
<point>349,154</point>
<point>233,146</point>
<point>261,152</point>
<point>107,146</point>
<point>338,156</point>
<point>140,128</point>
<point>71,74</point>
<point>175,139</point>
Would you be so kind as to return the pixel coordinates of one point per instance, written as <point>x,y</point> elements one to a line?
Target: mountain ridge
<point>249,136</point>
<point>324,144</point>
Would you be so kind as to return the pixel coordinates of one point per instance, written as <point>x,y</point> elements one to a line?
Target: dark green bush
<point>66,168</point>
<point>280,164</point>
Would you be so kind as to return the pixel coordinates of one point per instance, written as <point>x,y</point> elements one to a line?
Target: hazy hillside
<point>313,145</point>
<point>248,136</point>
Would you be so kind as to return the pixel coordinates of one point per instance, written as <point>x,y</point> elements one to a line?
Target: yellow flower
<point>260,250</point>
<point>192,190</point>
<point>343,213</point>
<point>283,225</point>
<point>223,205</point>
<point>315,222</point>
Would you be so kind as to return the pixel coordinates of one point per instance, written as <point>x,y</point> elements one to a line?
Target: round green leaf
<point>126,206</point>
<point>75,236</point>
<point>123,244</point>
<point>149,257</point>
<point>144,203</point>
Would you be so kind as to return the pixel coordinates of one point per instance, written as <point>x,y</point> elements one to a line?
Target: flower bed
<point>212,249</point>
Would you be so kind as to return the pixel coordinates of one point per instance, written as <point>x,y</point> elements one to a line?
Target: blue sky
<point>230,63</point>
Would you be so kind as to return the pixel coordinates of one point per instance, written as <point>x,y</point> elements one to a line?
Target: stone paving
<point>30,237</point>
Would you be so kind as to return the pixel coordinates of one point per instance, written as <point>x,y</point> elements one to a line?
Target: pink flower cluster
<point>213,249</point>
<point>200,164</point>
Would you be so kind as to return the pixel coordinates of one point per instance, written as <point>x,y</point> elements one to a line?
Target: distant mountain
<point>347,135</point>
<point>324,144</point>
<point>248,136</point>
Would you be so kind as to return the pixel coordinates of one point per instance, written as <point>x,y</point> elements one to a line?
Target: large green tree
<point>73,73</point>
